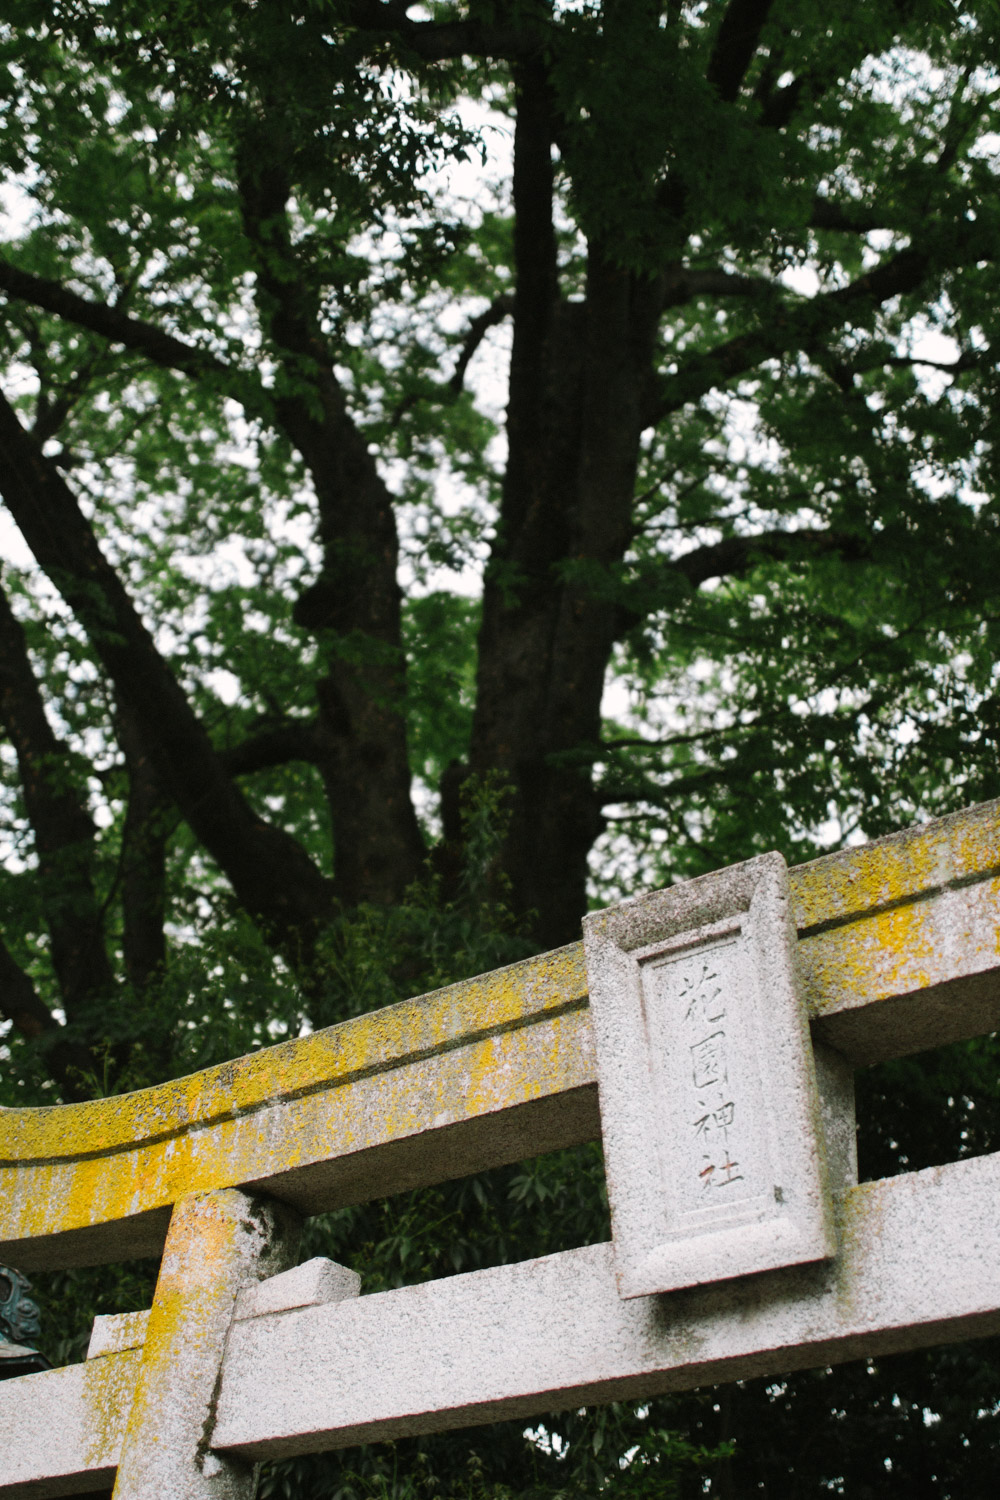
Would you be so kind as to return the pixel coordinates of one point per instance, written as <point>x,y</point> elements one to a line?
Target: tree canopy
<point>458,457</point>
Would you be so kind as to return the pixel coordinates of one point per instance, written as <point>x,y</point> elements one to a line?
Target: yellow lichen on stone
<point>475,1046</point>
<point>504,999</point>
<point>109,1386</point>
<point>900,868</point>
<point>871,927</point>
<point>889,953</point>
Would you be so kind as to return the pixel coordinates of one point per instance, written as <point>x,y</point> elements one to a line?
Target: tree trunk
<point>579,380</point>
<point>144,861</point>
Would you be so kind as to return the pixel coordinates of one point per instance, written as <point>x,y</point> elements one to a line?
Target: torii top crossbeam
<point>244,1355</point>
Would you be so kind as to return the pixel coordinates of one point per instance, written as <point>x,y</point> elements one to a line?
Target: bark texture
<point>354,607</point>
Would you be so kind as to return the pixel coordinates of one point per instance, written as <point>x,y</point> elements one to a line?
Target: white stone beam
<point>899,940</point>
<point>62,1432</point>
<point>919,1264</point>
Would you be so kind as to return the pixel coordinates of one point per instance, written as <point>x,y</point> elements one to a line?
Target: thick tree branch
<point>270,872</point>
<point>116,325</point>
<point>352,497</point>
<point>276,747</point>
<point>778,105</point>
<point>365,768</point>
<point>735,556</point>
<point>853,218</point>
<point>170,353</point>
<point>162,349</point>
<point>63,829</point>
<point>829,67</point>
<point>478,328</point>
<point>843,371</point>
<point>712,281</point>
<point>642,790</point>
<point>69,1063</point>
<point>153,343</point>
<point>443,41</point>
<point>735,44</point>
<point>804,327</point>
<point>357,522</point>
<point>736,41</point>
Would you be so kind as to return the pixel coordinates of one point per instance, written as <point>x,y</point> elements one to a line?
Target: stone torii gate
<point>723,1024</point>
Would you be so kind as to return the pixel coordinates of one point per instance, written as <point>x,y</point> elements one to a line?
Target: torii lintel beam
<point>898,947</point>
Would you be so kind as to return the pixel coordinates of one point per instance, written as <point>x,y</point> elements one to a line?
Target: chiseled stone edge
<point>919,1264</point>
<point>658,1248</point>
<point>315,1281</point>
<point>904,954</point>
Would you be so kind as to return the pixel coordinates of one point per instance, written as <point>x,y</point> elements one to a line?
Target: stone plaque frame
<point>713,1141</point>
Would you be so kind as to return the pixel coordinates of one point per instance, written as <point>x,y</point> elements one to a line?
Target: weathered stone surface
<point>835,1083</point>
<point>216,1245</point>
<point>919,1264</point>
<point>61,1432</point>
<point>317,1280</point>
<point>898,950</point>
<point>713,1147</point>
<point>475,1075</point>
<point>899,946</point>
<point>113,1333</point>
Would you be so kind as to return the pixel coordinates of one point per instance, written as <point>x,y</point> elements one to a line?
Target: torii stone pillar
<point>217,1244</point>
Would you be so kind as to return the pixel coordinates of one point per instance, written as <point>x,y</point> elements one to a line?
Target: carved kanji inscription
<point>714,1147</point>
<point>708,1096</point>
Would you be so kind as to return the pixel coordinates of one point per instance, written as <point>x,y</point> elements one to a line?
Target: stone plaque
<point>709,1109</point>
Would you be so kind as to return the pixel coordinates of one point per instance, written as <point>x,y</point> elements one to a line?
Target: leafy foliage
<point>467,457</point>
